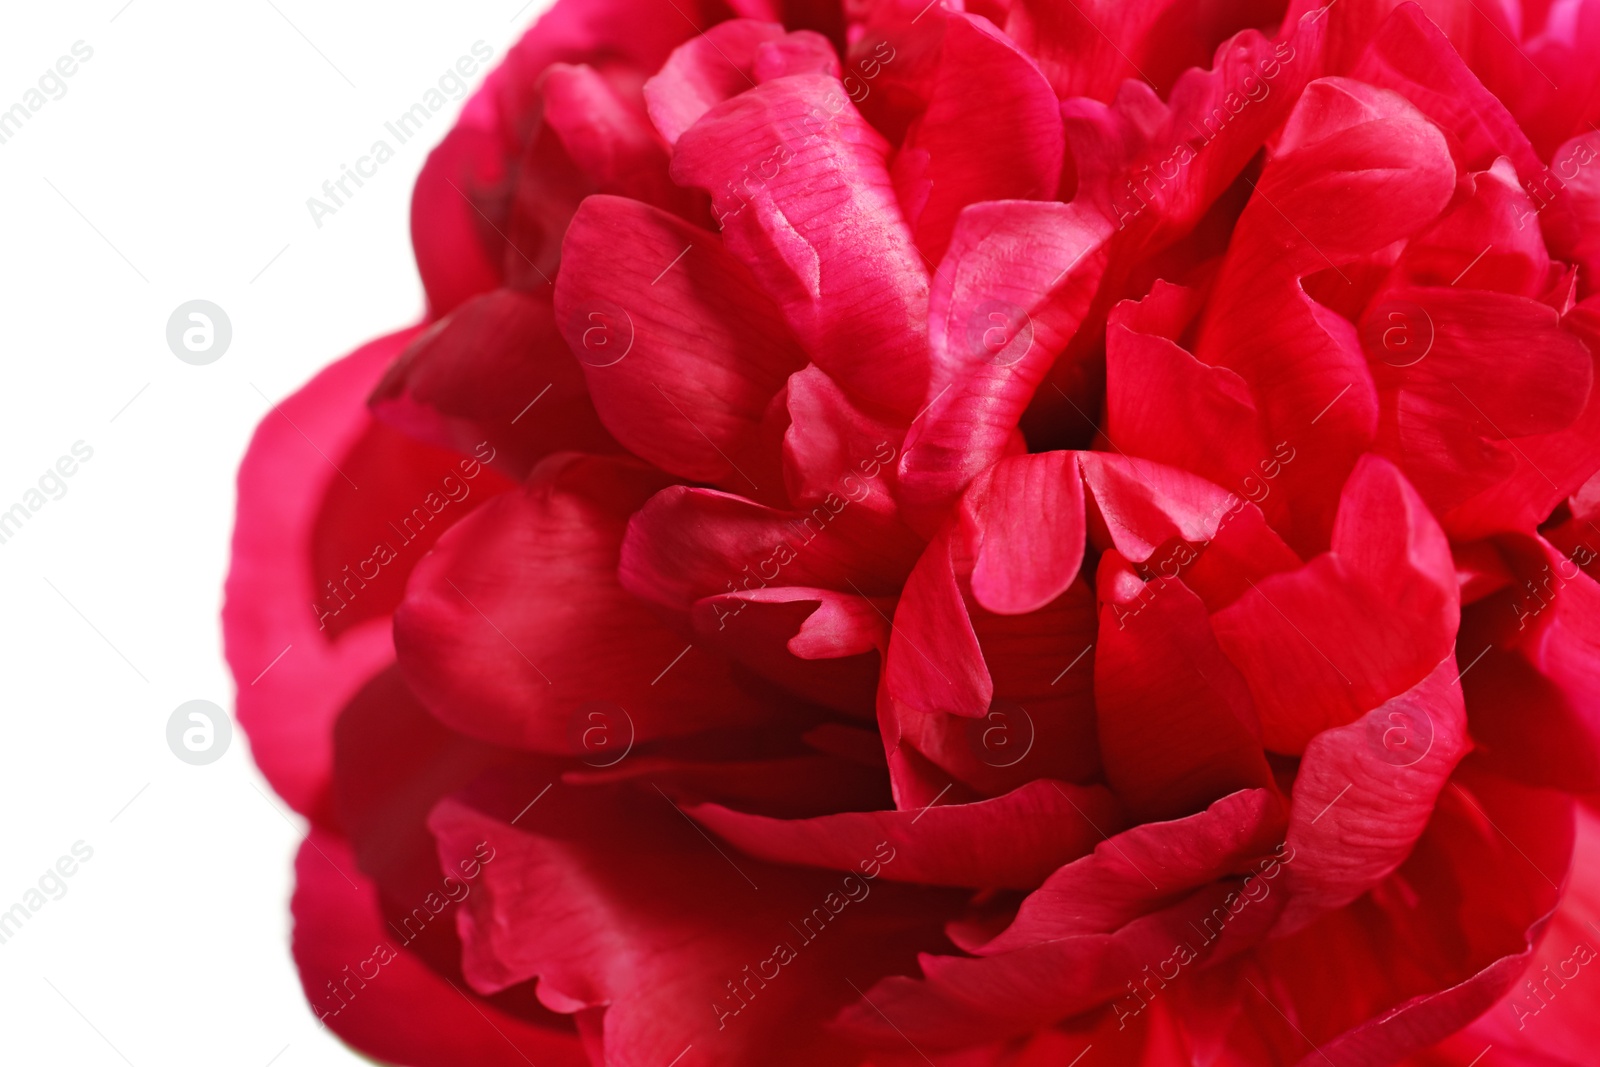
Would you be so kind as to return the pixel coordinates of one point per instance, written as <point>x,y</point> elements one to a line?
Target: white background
<point>176,167</point>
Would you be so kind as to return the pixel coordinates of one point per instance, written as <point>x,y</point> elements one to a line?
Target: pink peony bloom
<point>1036,534</point>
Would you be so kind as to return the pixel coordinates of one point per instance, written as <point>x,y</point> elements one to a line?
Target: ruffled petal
<point>1164,404</point>
<point>723,62</point>
<point>1411,55</point>
<point>615,902</point>
<point>1170,522</point>
<point>1533,695</point>
<point>1544,469</point>
<point>1417,958</point>
<point>1207,911</point>
<point>515,623</point>
<point>608,137</point>
<point>1134,871</point>
<point>1089,48</point>
<point>983,82</point>
<point>935,663</point>
<point>1365,792</point>
<point>1027,514</point>
<point>819,643</point>
<point>459,253</point>
<point>688,544</point>
<point>1012,841</point>
<point>1176,724</point>
<point>791,168</point>
<point>308,599</point>
<point>385,1000</point>
<point>1010,293</point>
<point>1389,171</point>
<point>1355,627</point>
<point>1451,417</point>
<point>1551,1025</point>
<point>681,350</point>
<point>494,371</point>
<point>837,447</point>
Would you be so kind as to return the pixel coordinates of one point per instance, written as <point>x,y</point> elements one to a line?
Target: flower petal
<point>1414,960</point>
<point>723,62</point>
<point>1169,521</point>
<point>1205,910</point>
<point>818,643</point>
<point>1451,418</point>
<point>1012,289</point>
<point>1365,792</point>
<point>1411,55</point>
<point>837,447</point>
<point>1027,513</point>
<point>681,350</point>
<point>982,82</point>
<point>1164,404</point>
<point>613,900</point>
<point>473,377</point>
<point>809,170</point>
<point>1533,696</point>
<point>1357,626</point>
<point>1088,49</point>
<point>516,621</point>
<point>1176,723</point>
<point>1553,1025</point>
<point>1012,841</point>
<point>383,999</point>
<point>1389,171</point>
<point>689,543</point>
<point>299,645</point>
<point>609,138</point>
<point>1545,467</point>
<point>459,256</point>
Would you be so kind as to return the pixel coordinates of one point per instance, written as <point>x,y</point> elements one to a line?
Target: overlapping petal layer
<point>989,534</point>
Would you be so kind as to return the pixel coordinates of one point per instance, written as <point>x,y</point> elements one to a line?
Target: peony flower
<point>1018,534</point>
